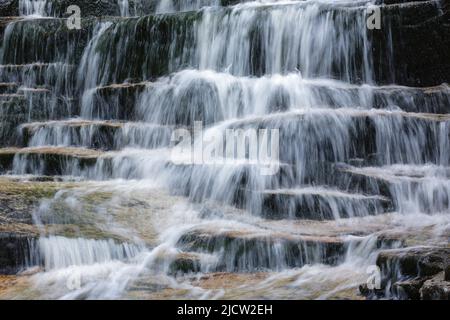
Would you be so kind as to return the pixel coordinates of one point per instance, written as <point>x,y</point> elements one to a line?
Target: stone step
<point>245,184</point>
<point>255,65</point>
<point>19,252</point>
<point>29,41</point>
<point>56,77</point>
<point>8,87</point>
<point>318,203</point>
<point>19,199</point>
<point>30,105</point>
<point>404,27</point>
<point>70,133</point>
<point>15,252</point>
<point>32,207</point>
<point>413,273</point>
<point>115,101</point>
<point>240,251</point>
<point>315,135</point>
<point>47,160</point>
<point>95,134</point>
<point>209,181</point>
<point>74,208</point>
<point>58,8</point>
<point>181,263</point>
<point>274,196</point>
<point>240,248</point>
<point>98,8</point>
<point>332,94</point>
<point>232,97</point>
<point>37,104</point>
<point>418,188</point>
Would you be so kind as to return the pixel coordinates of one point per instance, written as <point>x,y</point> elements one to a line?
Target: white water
<point>59,252</point>
<point>34,7</point>
<point>168,6</point>
<point>223,74</point>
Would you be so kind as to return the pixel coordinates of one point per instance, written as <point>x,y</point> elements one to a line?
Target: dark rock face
<point>41,45</point>
<point>242,254</point>
<point>413,274</point>
<point>435,289</point>
<point>117,102</point>
<point>183,265</point>
<point>88,8</point>
<point>315,207</point>
<point>408,289</point>
<point>9,8</point>
<point>410,49</point>
<point>414,262</point>
<point>414,39</point>
<point>16,252</point>
<point>48,163</point>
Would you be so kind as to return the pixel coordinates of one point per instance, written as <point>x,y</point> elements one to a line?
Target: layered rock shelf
<point>95,178</point>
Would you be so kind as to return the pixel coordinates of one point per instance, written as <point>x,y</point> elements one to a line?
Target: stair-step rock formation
<point>92,181</point>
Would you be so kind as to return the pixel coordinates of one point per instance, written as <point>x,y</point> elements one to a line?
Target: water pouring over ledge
<point>363,165</point>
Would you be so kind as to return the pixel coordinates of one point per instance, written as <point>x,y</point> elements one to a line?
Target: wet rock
<point>436,288</point>
<point>185,263</point>
<point>9,8</point>
<point>58,8</point>
<point>47,161</point>
<point>413,273</point>
<point>428,99</point>
<point>417,32</point>
<point>117,102</point>
<point>16,252</point>
<point>421,262</point>
<point>321,204</point>
<point>139,57</point>
<point>408,289</point>
<point>98,135</point>
<point>370,293</point>
<point>405,26</point>
<point>8,87</point>
<point>241,252</point>
<point>36,43</point>
<point>18,200</point>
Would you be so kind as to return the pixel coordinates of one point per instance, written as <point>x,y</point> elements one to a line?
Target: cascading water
<point>362,162</point>
<point>34,7</point>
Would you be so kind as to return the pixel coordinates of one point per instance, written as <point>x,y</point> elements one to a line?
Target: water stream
<point>357,159</point>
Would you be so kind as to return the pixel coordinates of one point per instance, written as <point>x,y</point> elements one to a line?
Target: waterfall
<point>167,6</point>
<point>34,7</point>
<point>246,40</point>
<point>281,140</point>
<point>59,252</point>
<point>124,8</point>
